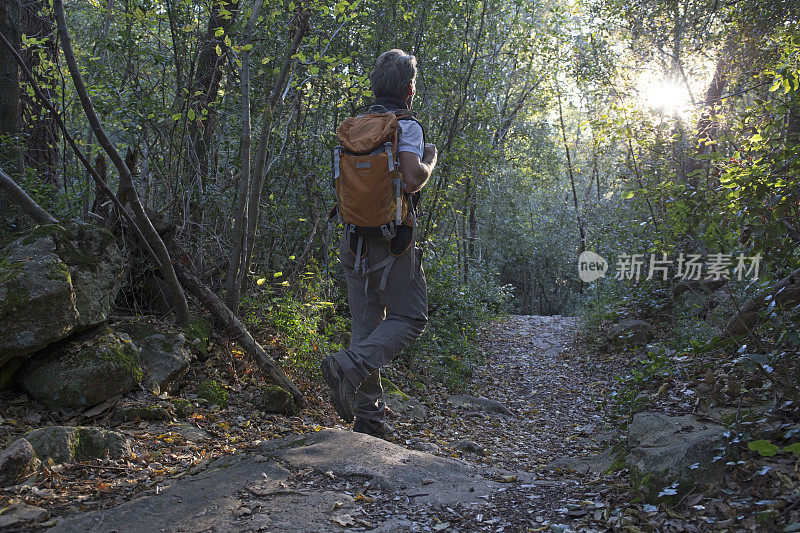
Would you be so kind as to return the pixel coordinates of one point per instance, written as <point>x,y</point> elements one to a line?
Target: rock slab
<point>213,499</point>
<point>387,465</point>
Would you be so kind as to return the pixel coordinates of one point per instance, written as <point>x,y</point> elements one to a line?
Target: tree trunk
<point>41,144</point>
<point>581,232</point>
<point>300,27</point>
<point>9,77</point>
<point>236,262</point>
<point>208,76</point>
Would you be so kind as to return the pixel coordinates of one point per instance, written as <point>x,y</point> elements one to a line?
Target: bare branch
<point>17,195</point>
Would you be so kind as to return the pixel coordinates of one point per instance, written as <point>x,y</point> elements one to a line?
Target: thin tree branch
<point>17,194</point>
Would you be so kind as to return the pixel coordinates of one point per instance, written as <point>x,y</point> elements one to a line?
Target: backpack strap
<point>405,114</point>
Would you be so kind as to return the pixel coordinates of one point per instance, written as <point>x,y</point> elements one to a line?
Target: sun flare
<point>668,97</point>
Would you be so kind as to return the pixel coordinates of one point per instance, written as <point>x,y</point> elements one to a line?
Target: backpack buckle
<point>388,231</point>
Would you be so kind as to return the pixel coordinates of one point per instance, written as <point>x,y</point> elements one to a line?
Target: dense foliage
<point>557,125</point>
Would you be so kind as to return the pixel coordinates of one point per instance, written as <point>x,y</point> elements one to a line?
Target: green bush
<point>307,324</point>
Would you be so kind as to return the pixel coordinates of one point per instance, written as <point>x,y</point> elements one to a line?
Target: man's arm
<point>416,171</point>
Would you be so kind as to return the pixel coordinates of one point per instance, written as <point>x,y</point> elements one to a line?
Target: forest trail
<point>465,466</point>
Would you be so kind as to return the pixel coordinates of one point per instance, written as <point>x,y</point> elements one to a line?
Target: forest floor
<point>555,392</point>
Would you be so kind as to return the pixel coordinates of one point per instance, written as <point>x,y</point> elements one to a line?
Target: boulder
<point>96,266</point>
<point>37,301</point>
<point>85,372</point>
<point>275,399</point>
<point>631,331</point>
<point>16,461</point>
<point>662,449</point>
<point>82,443</point>
<point>163,355</point>
<point>54,280</point>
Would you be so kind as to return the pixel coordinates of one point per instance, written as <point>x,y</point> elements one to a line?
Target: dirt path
<point>555,389</point>
<point>458,463</point>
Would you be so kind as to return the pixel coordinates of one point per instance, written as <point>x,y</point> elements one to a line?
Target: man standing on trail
<point>386,288</point>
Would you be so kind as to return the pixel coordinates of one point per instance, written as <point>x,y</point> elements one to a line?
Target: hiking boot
<point>342,391</point>
<point>371,427</point>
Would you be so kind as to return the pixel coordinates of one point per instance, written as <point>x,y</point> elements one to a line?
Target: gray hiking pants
<point>383,321</point>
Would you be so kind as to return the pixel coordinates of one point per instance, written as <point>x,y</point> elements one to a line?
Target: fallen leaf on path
<point>344,520</point>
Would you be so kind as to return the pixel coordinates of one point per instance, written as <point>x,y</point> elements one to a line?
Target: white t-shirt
<point>410,138</point>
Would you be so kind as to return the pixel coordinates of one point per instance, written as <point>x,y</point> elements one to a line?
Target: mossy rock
<point>134,412</point>
<point>82,443</point>
<point>183,407</point>
<point>275,399</point>
<point>37,300</point>
<point>391,388</point>
<point>213,392</point>
<point>85,372</point>
<point>55,280</point>
<point>93,260</point>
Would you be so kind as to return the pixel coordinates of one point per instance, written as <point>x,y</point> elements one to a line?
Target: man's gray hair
<point>394,70</point>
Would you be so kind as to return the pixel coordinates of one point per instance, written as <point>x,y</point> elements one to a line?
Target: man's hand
<point>415,171</point>
<point>430,155</point>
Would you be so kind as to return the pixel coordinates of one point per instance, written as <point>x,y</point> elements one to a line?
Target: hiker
<point>381,162</point>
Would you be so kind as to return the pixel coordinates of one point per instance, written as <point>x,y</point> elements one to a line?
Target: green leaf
<point>219,51</point>
<point>776,85</point>
<point>176,116</point>
<point>247,47</point>
<point>313,70</point>
<point>628,195</point>
<point>219,32</point>
<point>190,114</point>
<point>277,274</point>
<point>764,448</point>
<point>756,138</point>
<point>794,448</point>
